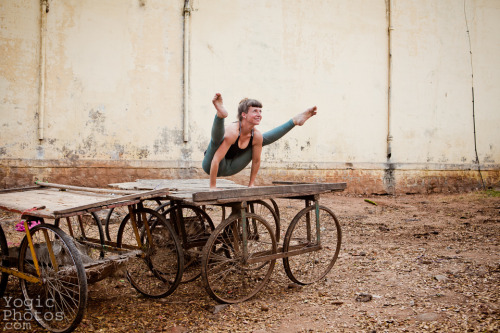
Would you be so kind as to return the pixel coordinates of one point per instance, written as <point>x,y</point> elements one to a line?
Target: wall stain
<point>142,153</point>
<point>488,159</point>
<point>186,154</point>
<point>389,179</point>
<point>168,138</point>
<point>96,121</point>
<point>117,153</point>
<point>69,154</point>
<point>89,146</point>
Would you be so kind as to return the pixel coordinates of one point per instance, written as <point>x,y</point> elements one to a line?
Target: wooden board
<point>59,203</point>
<point>191,185</point>
<point>262,192</point>
<point>197,191</point>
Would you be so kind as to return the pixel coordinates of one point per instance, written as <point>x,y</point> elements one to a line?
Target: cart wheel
<point>157,271</point>
<point>197,227</point>
<point>225,274</point>
<point>162,207</point>
<point>87,231</point>
<point>4,253</point>
<point>58,301</point>
<point>276,208</point>
<point>312,266</point>
<point>117,214</point>
<point>265,210</point>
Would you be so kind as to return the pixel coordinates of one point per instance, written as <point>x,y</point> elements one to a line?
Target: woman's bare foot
<point>219,106</point>
<point>301,118</point>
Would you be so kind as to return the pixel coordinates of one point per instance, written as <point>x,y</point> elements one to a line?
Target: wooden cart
<point>56,260</point>
<point>237,257</point>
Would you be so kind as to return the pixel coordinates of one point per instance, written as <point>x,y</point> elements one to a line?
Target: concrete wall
<point>112,96</point>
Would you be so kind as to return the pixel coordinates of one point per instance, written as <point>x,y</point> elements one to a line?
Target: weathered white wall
<point>290,56</point>
<point>19,44</point>
<point>114,80</point>
<point>432,81</point>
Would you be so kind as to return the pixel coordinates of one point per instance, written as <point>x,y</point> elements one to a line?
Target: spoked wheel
<point>58,301</point>
<point>194,227</point>
<point>226,273</point>
<point>268,212</point>
<point>4,253</point>
<point>275,207</point>
<point>117,214</point>
<point>156,270</point>
<point>265,210</point>
<point>309,267</point>
<point>88,233</point>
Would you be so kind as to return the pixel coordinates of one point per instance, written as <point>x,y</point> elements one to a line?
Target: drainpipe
<point>187,14</point>
<point>389,80</point>
<point>389,176</point>
<point>41,92</point>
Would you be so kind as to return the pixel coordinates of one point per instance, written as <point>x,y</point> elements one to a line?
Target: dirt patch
<point>408,263</point>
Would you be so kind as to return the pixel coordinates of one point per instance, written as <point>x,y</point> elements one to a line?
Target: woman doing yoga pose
<point>232,148</point>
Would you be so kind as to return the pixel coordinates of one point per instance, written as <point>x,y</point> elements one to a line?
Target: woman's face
<point>253,115</point>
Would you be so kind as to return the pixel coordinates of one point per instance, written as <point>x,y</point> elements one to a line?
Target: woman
<point>232,148</point>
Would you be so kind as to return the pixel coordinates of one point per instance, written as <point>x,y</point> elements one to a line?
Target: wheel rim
<point>4,252</point>
<point>156,271</point>
<point>226,276</point>
<point>265,210</point>
<point>197,227</point>
<point>312,266</point>
<point>87,232</point>
<point>58,303</point>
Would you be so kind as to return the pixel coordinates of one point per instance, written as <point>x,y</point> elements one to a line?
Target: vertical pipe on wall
<point>389,79</point>
<point>187,15</point>
<point>41,91</point>
<point>389,176</point>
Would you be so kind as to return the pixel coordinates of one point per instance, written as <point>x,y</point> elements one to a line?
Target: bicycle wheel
<point>87,231</point>
<point>194,226</point>
<point>117,214</point>
<point>162,207</point>
<point>157,271</point>
<point>4,253</point>
<point>226,274</point>
<point>309,267</point>
<point>58,302</point>
<point>276,208</point>
<point>265,210</point>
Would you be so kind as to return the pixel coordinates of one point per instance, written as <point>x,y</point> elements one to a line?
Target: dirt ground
<point>411,263</point>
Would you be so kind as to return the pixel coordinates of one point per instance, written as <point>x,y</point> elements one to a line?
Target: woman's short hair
<point>245,103</point>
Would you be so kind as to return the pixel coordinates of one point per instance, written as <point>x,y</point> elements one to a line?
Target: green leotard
<point>227,166</point>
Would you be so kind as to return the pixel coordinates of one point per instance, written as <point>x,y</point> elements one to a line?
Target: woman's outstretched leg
<point>217,134</point>
<point>278,132</point>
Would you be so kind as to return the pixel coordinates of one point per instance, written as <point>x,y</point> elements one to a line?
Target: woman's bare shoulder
<point>257,137</point>
<point>231,132</point>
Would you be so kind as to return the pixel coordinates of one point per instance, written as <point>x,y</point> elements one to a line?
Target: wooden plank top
<point>192,185</point>
<point>58,202</point>
<point>265,192</point>
<point>197,191</point>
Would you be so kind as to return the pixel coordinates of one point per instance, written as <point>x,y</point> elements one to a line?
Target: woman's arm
<point>256,152</point>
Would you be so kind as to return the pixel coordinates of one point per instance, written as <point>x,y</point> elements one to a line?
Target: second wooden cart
<point>237,258</point>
